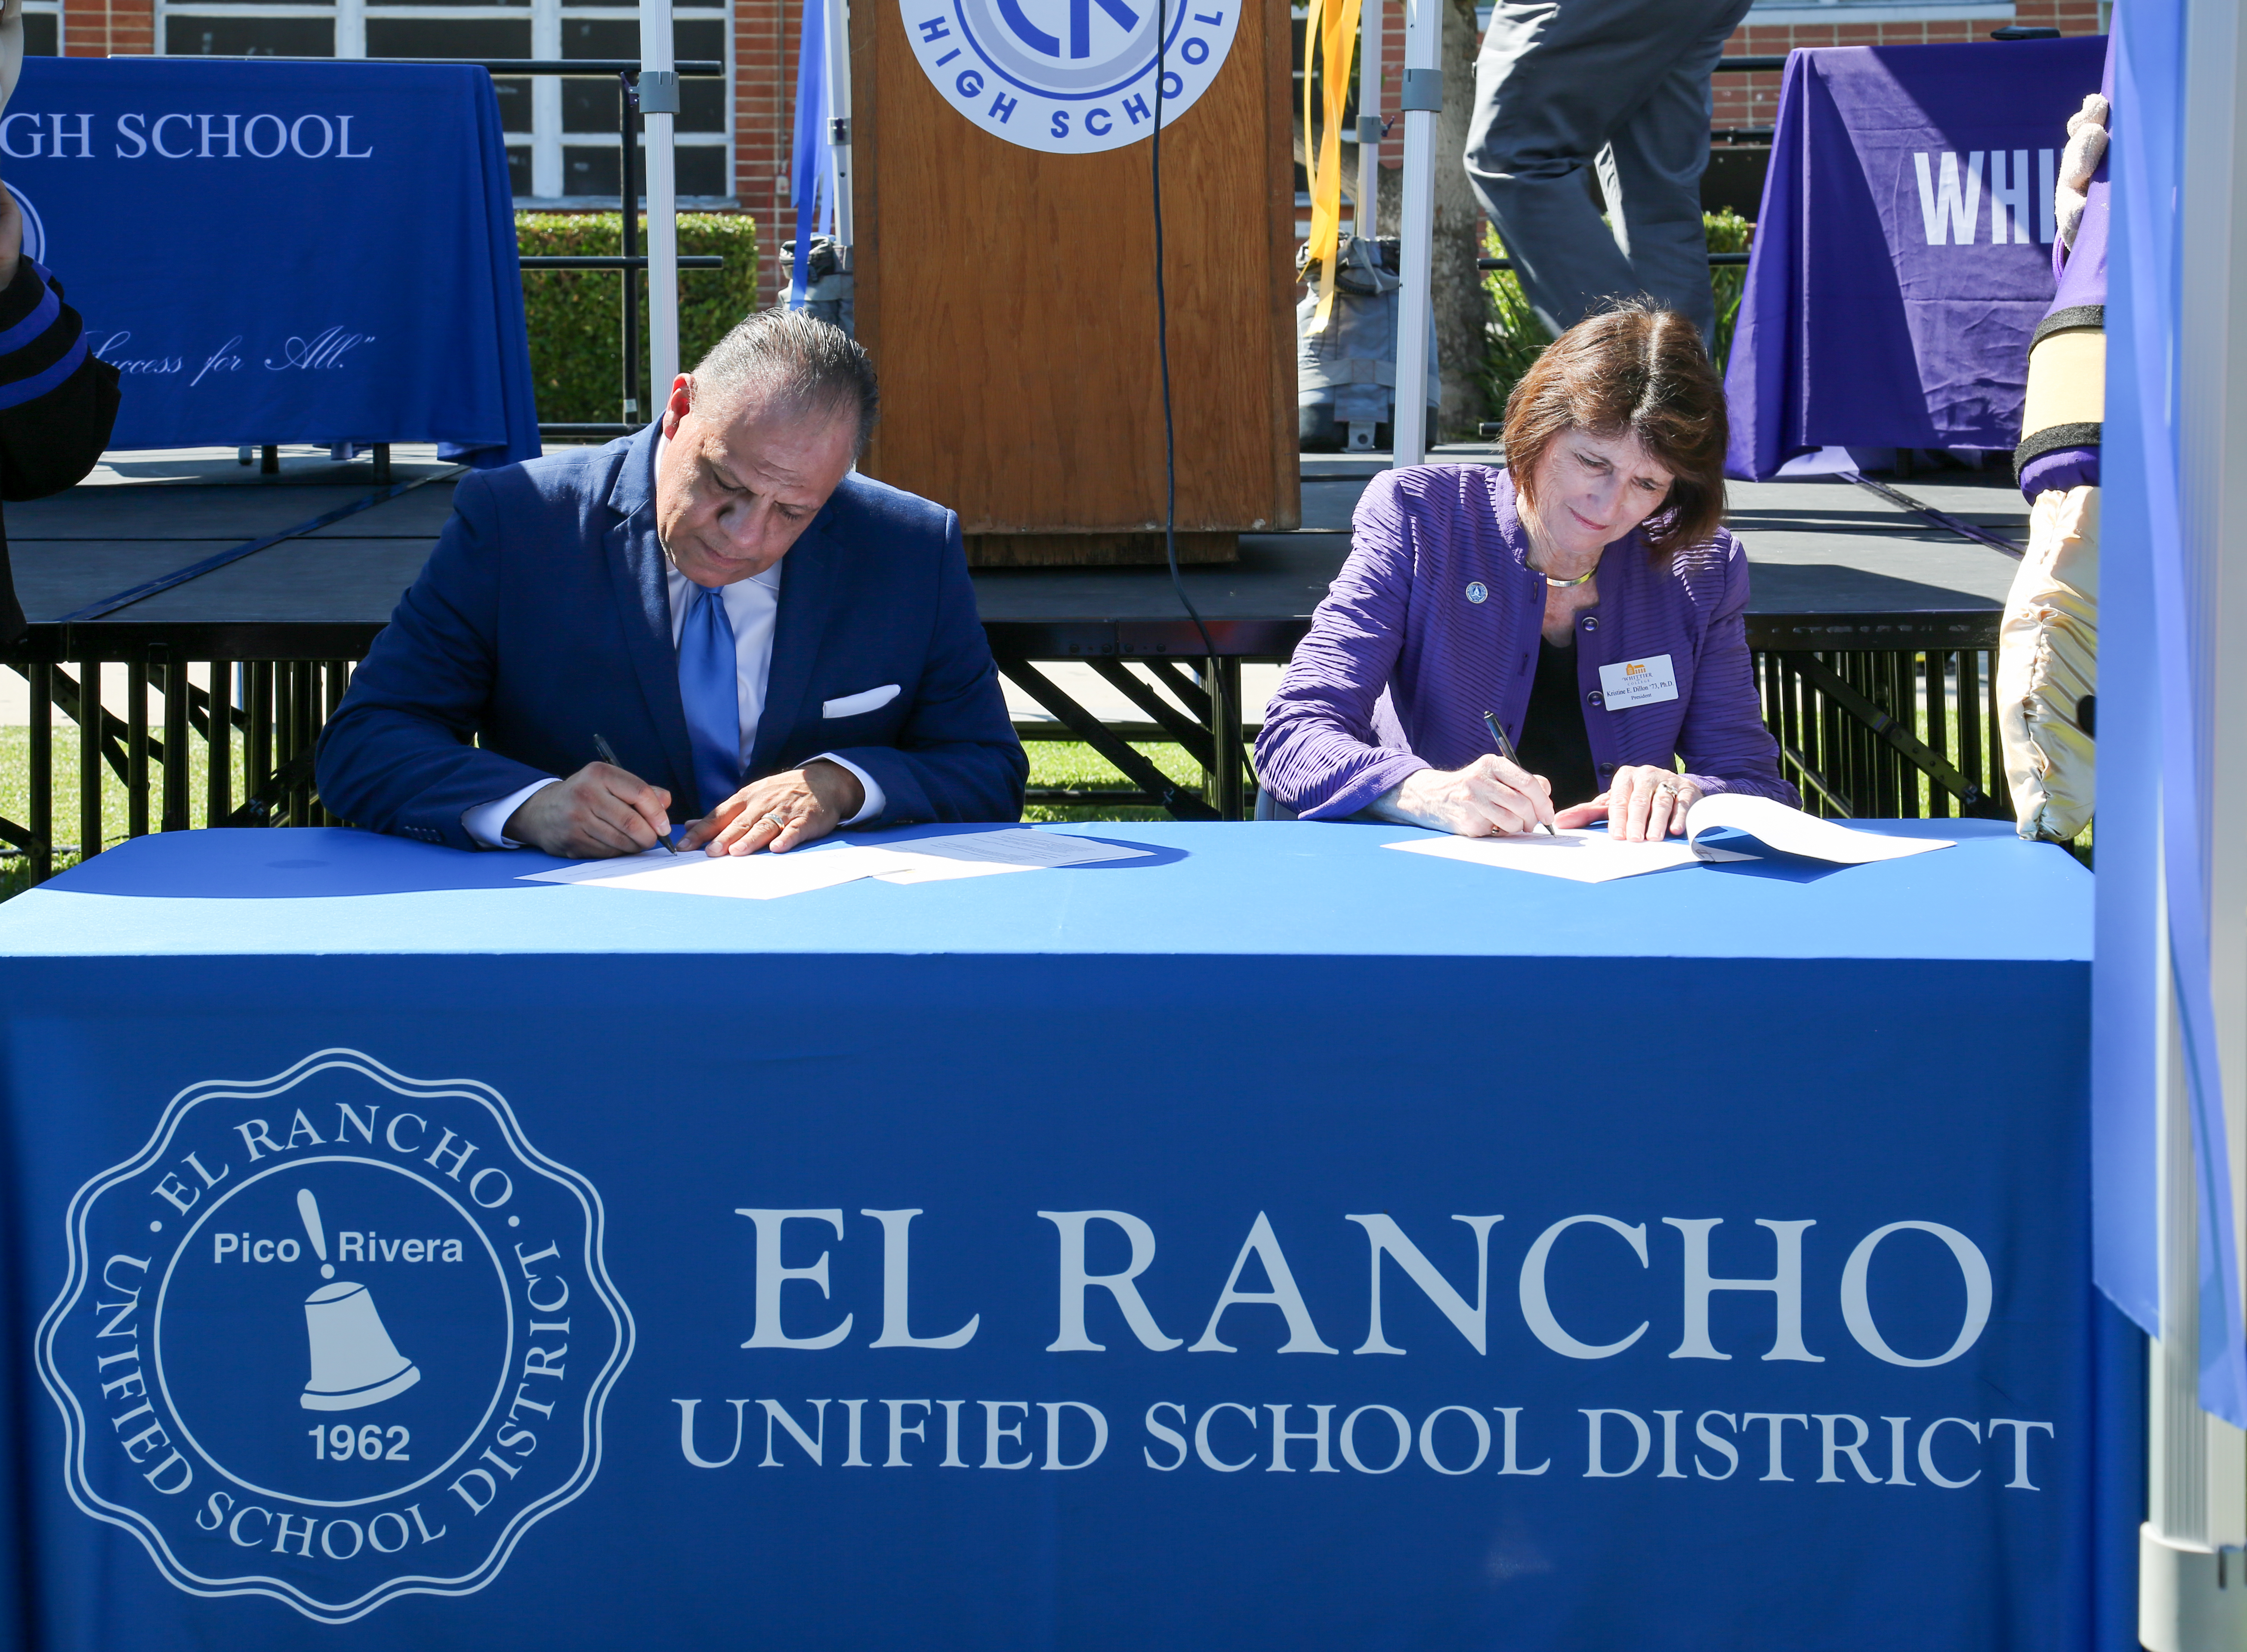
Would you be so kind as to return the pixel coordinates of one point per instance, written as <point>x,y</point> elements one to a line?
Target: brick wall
<point>101,28</point>
<point>765,37</point>
<point>1752,101</point>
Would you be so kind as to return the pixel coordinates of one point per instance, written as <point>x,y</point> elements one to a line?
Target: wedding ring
<point>1665,790</point>
<point>778,821</point>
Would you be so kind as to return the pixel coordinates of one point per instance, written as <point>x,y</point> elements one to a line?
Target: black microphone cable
<point>1162,353</point>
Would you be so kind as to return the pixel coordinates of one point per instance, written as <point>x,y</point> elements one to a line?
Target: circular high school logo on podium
<point>1070,77</point>
<point>333,1336</point>
<point>35,227</point>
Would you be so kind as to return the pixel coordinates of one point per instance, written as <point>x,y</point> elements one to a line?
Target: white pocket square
<point>853,705</point>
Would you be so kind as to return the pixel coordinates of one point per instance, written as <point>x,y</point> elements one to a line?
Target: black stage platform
<point>1864,599</point>
<point>1836,566</point>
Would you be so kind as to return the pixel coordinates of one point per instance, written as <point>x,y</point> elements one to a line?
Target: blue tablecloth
<point>1902,254</point>
<point>280,252</point>
<point>1276,1241</point>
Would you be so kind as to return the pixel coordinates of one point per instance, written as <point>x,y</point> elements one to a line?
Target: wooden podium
<point>1008,298</point>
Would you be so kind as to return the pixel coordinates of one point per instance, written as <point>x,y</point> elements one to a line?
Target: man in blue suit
<point>766,640</point>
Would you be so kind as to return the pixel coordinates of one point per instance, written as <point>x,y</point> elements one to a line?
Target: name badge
<point>1638,682</point>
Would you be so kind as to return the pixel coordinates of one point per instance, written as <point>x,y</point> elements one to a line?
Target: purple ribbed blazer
<point>1400,664</point>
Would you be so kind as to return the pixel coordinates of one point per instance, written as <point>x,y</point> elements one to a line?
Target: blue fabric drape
<point>2151,757</point>
<point>334,256</point>
<point>811,145</point>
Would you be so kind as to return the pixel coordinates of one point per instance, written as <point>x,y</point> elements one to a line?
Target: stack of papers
<point>769,877</point>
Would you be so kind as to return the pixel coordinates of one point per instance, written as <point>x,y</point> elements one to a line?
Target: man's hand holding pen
<point>599,811</point>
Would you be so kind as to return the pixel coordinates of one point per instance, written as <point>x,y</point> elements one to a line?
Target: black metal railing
<point>179,744</point>
<point>169,745</point>
<point>1909,734</point>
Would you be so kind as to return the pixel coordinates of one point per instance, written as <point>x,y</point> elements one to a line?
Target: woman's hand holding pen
<point>1642,804</point>
<point>1489,796</point>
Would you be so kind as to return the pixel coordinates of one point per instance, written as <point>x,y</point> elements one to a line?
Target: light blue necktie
<point>706,689</point>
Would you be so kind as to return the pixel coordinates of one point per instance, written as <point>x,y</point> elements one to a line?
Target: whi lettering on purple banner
<point>1951,196</point>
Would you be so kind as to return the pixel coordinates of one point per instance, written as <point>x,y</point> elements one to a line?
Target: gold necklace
<point>1564,584</point>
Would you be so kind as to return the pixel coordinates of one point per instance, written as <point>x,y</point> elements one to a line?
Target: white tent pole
<point>2191,1597</point>
<point>1369,119</point>
<point>1423,97</point>
<point>658,102</point>
<point>838,111</point>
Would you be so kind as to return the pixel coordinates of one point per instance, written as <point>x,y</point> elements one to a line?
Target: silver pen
<point>1506,750</point>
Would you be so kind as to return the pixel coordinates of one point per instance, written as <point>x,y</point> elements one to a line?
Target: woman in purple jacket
<point>1586,595</point>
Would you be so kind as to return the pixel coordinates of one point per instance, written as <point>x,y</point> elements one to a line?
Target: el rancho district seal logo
<point>334,1336</point>
<point>1068,76</point>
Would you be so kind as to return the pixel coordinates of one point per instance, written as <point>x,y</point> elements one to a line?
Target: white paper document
<point>925,860</point>
<point>1581,857</point>
<point>1789,831</point>
<point>586,872</point>
<point>1018,846</point>
<point>1593,857</point>
<point>928,868</point>
<point>739,877</point>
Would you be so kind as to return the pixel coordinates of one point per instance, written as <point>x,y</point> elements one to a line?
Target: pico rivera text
<point>351,1247</point>
<point>475,1487</point>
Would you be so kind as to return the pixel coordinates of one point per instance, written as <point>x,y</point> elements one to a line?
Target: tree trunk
<point>1462,310</point>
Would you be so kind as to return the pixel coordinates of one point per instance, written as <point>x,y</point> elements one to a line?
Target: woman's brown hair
<point>1642,369</point>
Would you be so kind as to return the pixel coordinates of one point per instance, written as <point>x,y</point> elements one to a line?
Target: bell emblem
<point>354,1362</point>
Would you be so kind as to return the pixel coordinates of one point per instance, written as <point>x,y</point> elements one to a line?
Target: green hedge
<point>575,314</point>
<point>1517,338</point>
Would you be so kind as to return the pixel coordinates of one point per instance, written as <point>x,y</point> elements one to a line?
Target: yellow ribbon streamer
<point>1330,31</point>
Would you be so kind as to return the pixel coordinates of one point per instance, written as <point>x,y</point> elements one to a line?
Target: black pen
<point>1506,750</point>
<point>601,750</point>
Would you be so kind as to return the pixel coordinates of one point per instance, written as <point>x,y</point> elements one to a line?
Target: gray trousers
<point>1621,85</point>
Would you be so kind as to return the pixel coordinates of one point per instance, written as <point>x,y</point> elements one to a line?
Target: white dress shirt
<point>752,605</point>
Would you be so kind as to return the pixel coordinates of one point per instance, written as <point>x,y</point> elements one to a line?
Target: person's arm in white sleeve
<point>487,823</point>
<point>875,801</point>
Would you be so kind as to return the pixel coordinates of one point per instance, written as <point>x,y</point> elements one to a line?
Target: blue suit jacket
<point>543,617</point>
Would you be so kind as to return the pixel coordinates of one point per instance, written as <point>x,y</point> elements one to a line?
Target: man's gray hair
<point>791,362</point>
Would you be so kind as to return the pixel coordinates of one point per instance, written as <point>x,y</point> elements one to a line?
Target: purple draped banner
<point>1903,251</point>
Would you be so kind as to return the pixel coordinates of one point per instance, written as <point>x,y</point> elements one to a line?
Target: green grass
<point>15,796</point>
<point>1074,764</point>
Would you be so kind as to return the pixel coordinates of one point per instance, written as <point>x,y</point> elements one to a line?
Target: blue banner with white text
<point>1021,1302</point>
<point>281,252</point>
